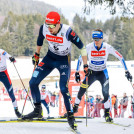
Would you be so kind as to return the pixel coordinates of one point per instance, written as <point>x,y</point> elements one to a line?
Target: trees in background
<point>117,32</point>
<point>19,34</point>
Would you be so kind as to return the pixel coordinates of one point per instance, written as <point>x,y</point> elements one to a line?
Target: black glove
<point>35,58</point>
<point>86,70</point>
<point>77,77</point>
<point>12,59</point>
<point>128,75</point>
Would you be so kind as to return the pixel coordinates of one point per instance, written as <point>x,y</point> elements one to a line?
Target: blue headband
<point>97,34</point>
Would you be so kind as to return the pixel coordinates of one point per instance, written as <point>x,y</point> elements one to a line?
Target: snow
<point>117,79</point>
<point>95,126</point>
<point>118,85</point>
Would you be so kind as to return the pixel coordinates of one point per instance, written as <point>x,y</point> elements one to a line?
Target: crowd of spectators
<point>119,105</point>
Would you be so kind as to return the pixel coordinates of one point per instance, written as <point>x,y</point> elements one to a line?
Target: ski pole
<point>27,94</point>
<point>25,101</point>
<point>132,85</point>
<point>23,84</point>
<point>86,98</point>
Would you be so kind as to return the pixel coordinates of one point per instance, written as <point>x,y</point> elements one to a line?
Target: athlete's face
<point>53,28</point>
<point>43,90</point>
<point>98,42</point>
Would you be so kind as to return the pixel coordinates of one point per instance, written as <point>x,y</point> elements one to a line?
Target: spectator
<point>98,106</point>
<point>114,104</point>
<point>91,106</point>
<point>116,107</point>
<point>95,109</point>
<point>124,104</point>
<point>132,107</point>
<point>113,100</point>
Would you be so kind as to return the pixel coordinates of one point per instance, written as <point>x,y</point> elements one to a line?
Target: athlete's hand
<point>12,59</point>
<point>77,77</point>
<point>86,70</point>
<point>35,58</point>
<point>128,75</point>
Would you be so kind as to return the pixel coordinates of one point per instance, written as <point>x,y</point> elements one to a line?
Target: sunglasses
<point>96,39</point>
<point>50,25</point>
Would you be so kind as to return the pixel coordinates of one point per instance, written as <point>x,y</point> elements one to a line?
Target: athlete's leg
<point>64,69</point>
<point>46,105</point>
<point>5,79</point>
<point>83,87</point>
<point>41,71</point>
<point>104,80</point>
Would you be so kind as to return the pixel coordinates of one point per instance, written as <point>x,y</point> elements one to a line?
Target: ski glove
<point>77,77</point>
<point>35,58</point>
<point>12,59</point>
<point>86,70</point>
<point>128,75</point>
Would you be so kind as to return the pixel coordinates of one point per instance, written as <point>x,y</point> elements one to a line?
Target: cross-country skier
<point>59,37</point>
<point>5,79</point>
<point>97,52</point>
<point>44,94</point>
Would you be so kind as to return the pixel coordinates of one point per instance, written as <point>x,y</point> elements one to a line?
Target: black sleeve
<point>74,38</point>
<point>40,37</point>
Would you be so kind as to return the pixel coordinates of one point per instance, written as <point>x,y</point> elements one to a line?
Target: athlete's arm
<point>40,37</point>
<point>38,48</point>
<point>119,56</point>
<point>36,56</point>
<point>84,58</point>
<point>84,55</point>
<point>40,40</point>
<point>6,54</point>
<point>74,38</point>
<point>77,75</point>
<point>79,63</point>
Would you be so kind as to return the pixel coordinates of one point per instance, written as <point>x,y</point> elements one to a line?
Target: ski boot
<point>71,120</point>
<point>75,108</point>
<point>18,114</point>
<point>107,116</point>
<point>48,116</point>
<point>37,113</point>
<point>64,116</point>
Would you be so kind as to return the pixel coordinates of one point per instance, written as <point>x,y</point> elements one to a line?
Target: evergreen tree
<point>119,40</point>
<point>19,34</point>
<point>29,37</point>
